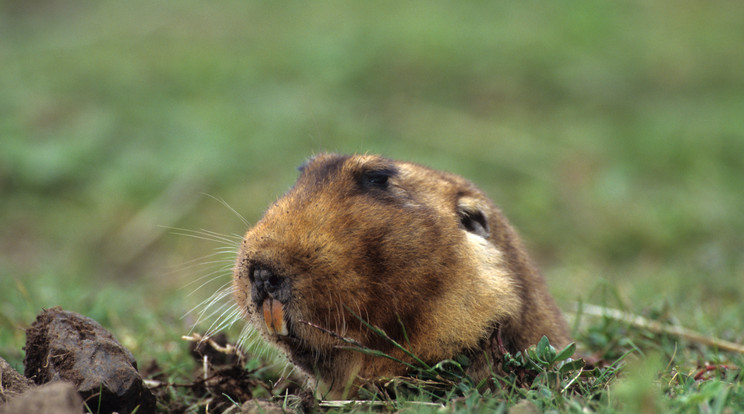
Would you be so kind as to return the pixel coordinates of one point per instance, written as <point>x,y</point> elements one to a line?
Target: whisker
<point>225,291</point>
<point>227,319</point>
<point>213,276</point>
<point>224,203</point>
<point>199,261</point>
<point>340,314</point>
<point>203,235</point>
<point>221,309</point>
<point>246,333</point>
<point>330,302</point>
<point>358,308</point>
<point>220,236</point>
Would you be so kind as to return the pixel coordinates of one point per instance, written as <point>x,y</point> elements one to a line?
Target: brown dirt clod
<point>54,398</point>
<point>63,345</point>
<point>12,383</point>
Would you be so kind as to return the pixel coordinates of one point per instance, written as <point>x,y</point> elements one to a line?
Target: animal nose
<point>267,283</point>
<point>266,280</point>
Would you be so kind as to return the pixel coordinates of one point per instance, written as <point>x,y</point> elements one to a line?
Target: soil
<point>74,359</point>
<point>53,398</point>
<point>12,384</point>
<point>220,381</point>
<point>66,346</point>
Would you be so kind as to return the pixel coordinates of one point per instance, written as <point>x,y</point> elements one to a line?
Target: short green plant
<point>548,377</point>
<point>552,366</point>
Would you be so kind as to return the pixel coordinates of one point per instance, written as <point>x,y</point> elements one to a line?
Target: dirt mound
<point>66,346</point>
<point>71,358</point>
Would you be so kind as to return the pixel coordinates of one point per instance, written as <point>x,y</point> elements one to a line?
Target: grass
<point>611,136</point>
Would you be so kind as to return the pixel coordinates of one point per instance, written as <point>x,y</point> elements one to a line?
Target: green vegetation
<point>611,135</point>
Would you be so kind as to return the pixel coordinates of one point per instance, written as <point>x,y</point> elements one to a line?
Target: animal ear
<point>470,211</point>
<point>304,165</point>
<point>309,160</point>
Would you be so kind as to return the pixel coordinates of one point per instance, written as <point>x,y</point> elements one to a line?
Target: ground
<point>610,135</point>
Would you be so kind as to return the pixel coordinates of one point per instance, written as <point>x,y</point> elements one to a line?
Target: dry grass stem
<point>657,327</point>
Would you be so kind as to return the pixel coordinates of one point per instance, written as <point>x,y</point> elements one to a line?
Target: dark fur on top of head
<point>422,254</point>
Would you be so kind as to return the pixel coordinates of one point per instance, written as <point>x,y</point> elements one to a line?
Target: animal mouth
<point>273,313</point>
<point>271,292</point>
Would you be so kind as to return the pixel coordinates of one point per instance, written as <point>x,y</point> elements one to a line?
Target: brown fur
<point>417,252</point>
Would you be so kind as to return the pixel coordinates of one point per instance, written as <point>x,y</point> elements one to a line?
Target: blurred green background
<point>612,135</point>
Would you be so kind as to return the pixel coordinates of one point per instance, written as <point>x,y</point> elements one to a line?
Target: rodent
<point>422,254</point>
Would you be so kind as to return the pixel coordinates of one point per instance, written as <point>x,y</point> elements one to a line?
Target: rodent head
<point>405,248</point>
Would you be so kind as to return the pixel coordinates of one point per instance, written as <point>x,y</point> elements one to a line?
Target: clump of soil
<point>66,346</point>
<point>52,398</point>
<point>12,384</point>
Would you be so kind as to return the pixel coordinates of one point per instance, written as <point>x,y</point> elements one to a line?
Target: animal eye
<point>474,222</point>
<point>376,178</point>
